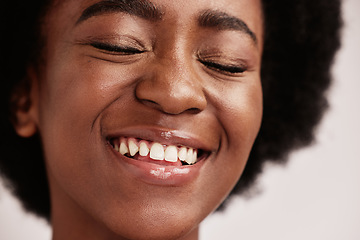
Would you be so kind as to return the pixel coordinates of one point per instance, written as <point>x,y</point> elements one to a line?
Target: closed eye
<point>231,69</point>
<point>116,50</point>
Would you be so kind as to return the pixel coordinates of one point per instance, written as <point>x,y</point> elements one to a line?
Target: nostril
<point>151,104</point>
<point>146,101</point>
<point>172,110</point>
<point>193,110</point>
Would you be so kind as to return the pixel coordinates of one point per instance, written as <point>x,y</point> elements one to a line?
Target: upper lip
<point>166,137</point>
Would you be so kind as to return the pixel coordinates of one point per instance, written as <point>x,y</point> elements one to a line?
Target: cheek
<point>242,118</point>
<point>243,113</point>
<point>239,107</point>
<point>73,96</point>
<point>76,91</point>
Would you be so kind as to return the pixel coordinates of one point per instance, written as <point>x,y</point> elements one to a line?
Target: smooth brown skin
<point>81,92</point>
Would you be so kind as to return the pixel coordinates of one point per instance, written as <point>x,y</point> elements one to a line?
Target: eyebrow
<point>224,21</point>
<point>147,10</point>
<point>140,8</point>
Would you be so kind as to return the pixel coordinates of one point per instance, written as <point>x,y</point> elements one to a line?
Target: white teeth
<point>171,154</point>
<point>157,152</point>
<point>189,156</point>
<point>144,150</point>
<point>133,147</point>
<point>182,153</point>
<point>123,148</point>
<point>194,158</point>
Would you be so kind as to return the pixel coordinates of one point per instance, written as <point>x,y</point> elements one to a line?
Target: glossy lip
<point>156,174</point>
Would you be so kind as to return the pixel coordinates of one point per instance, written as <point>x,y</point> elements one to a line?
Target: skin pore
<point>180,73</point>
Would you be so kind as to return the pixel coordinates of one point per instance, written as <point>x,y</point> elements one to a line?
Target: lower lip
<point>155,174</point>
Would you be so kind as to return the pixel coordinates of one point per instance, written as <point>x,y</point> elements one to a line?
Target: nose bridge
<point>172,86</point>
<point>176,78</point>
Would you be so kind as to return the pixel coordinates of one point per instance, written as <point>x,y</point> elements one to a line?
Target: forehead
<point>249,12</point>
<point>183,5</point>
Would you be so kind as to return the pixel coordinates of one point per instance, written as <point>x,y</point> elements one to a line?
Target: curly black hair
<point>301,39</point>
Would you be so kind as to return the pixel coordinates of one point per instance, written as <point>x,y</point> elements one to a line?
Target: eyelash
<point>224,68</point>
<point>117,50</point>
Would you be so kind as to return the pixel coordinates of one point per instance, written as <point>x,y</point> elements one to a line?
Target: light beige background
<point>315,196</point>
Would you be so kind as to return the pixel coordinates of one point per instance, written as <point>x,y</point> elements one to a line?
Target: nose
<point>172,88</point>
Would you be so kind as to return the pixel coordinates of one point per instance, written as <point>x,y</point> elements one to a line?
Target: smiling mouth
<point>158,153</point>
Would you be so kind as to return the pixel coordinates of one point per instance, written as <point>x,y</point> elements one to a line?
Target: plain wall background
<point>315,196</point>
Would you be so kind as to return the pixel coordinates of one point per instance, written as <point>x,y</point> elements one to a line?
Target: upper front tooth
<point>133,147</point>
<point>182,153</point>
<point>171,154</point>
<point>157,152</point>
<point>123,148</point>
<point>144,150</point>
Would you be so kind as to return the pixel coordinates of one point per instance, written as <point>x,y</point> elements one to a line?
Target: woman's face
<point>169,77</point>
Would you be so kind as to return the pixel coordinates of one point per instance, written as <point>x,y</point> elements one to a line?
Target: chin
<point>158,224</point>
